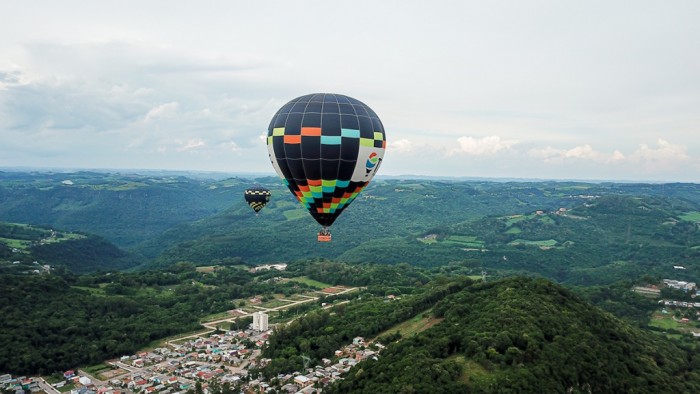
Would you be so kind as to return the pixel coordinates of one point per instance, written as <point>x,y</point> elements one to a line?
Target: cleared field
<point>95,370</point>
<point>471,370</point>
<point>310,282</point>
<point>667,322</point>
<point>693,216</point>
<point>511,220</point>
<point>464,240</point>
<point>514,230</point>
<point>16,243</point>
<point>413,326</point>
<point>275,303</point>
<point>544,242</point>
<point>294,214</point>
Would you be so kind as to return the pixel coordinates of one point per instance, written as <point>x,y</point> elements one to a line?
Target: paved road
<point>49,389</point>
<point>211,325</point>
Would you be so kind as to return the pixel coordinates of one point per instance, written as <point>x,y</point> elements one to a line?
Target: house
<point>69,374</point>
<point>302,380</point>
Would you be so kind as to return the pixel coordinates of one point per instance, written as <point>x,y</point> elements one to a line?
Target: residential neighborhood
<point>197,361</point>
<point>221,358</point>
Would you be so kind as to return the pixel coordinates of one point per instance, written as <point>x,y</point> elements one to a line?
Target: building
<point>260,321</point>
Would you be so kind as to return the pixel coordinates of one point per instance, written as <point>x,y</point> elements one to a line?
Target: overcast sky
<point>590,90</point>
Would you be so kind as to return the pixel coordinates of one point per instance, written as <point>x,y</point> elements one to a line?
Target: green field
<point>691,216</point>
<point>511,220</point>
<point>95,370</point>
<point>215,316</point>
<point>293,214</point>
<point>66,388</point>
<point>471,370</point>
<point>464,240</point>
<point>16,243</point>
<point>311,282</point>
<point>542,243</point>
<point>409,328</point>
<point>667,322</point>
<point>514,230</point>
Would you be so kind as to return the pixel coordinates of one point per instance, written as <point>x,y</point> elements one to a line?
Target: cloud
<point>482,146</point>
<point>401,146</point>
<point>581,152</point>
<point>190,144</point>
<point>163,110</point>
<point>665,152</point>
<point>230,146</point>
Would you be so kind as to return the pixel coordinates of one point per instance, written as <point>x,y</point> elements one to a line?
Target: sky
<point>583,90</point>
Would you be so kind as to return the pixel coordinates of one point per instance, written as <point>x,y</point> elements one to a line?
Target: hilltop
<point>525,335</point>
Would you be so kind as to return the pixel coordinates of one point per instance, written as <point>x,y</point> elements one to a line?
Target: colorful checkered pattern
<point>326,147</point>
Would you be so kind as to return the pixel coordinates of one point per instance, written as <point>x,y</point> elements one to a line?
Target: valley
<point>408,259</point>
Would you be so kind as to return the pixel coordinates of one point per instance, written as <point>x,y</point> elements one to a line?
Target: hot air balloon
<point>326,148</point>
<point>257,197</point>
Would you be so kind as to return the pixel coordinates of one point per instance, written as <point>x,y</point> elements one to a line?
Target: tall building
<point>260,321</point>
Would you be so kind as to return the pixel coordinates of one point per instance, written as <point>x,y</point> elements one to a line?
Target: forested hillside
<point>31,248</point>
<point>600,236</point>
<point>56,322</point>
<point>571,232</point>
<point>125,209</point>
<point>525,335</point>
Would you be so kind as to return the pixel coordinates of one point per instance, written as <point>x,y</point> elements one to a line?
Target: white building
<point>260,321</point>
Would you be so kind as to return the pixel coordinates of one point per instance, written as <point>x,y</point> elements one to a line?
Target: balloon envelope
<point>257,197</point>
<point>326,147</point>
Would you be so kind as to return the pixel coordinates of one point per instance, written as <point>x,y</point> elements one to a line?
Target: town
<point>213,357</point>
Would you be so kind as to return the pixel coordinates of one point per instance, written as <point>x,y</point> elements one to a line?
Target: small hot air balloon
<point>326,147</point>
<point>257,197</point>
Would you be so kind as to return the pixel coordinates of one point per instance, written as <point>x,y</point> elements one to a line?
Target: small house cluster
<point>18,385</point>
<point>221,357</point>
<point>679,284</point>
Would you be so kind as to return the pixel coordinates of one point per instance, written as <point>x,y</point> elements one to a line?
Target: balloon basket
<point>324,235</point>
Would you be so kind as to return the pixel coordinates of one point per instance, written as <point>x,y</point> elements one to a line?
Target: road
<point>211,325</point>
<point>48,389</point>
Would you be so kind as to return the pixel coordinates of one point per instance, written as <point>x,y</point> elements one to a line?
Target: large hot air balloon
<point>257,197</point>
<point>326,147</point>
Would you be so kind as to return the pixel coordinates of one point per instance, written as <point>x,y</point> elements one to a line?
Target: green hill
<point>27,248</point>
<point>125,209</point>
<point>585,233</point>
<point>525,335</point>
<point>595,238</point>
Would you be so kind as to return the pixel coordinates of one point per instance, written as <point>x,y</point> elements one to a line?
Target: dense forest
<point>55,322</point>
<point>525,335</point>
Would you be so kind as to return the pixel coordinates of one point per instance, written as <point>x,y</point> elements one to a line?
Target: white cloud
<point>230,146</point>
<point>401,146</point>
<point>190,144</point>
<point>161,111</point>
<point>665,152</point>
<point>581,152</point>
<point>483,146</point>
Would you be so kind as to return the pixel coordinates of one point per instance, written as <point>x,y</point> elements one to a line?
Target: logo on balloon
<point>372,161</point>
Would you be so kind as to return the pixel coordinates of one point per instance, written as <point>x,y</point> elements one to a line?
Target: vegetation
<point>77,252</point>
<point>525,335</point>
<point>427,243</point>
<point>54,323</point>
